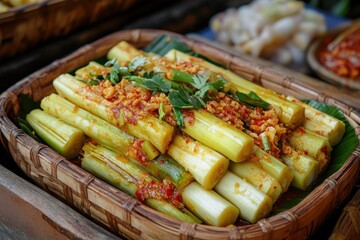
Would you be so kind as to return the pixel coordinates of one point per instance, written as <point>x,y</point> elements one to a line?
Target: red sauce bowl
<point>339,64</point>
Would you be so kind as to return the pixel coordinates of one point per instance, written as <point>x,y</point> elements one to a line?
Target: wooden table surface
<point>28,212</point>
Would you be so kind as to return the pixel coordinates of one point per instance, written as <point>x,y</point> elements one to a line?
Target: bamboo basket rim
<point>130,209</point>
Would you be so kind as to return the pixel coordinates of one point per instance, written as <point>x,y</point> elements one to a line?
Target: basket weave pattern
<point>348,224</point>
<point>125,215</point>
<point>23,27</point>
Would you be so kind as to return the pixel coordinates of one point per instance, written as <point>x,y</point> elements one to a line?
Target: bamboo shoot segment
<point>123,52</point>
<point>87,71</point>
<point>219,135</point>
<point>205,128</point>
<point>209,206</point>
<point>93,126</point>
<point>125,175</point>
<point>274,167</point>
<point>304,169</point>
<point>313,145</point>
<point>257,177</point>
<point>252,203</point>
<point>150,128</point>
<point>291,114</point>
<point>75,91</point>
<point>164,167</point>
<point>327,126</point>
<point>63,138</point>
<point>206,165</point>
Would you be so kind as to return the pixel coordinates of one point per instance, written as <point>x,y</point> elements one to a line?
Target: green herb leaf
<point>209,87</point>
<point>251,99</point>
<point>183,99</point>
<point>161,111</point>
<point>137,62</point>
<point>219,84</point>
<point>178,100</point>
<point>157,83</point>
<point>202,93</point>
<point>179,117</point>
<point>96,77</point>
<point>198,81</point>
<point>183,77</point>
<point>123,71</point>
<point>111,63</point>
<point>116,73</point>
<point>92,81</point>
<point>113,77</point>
<point>150,74</point>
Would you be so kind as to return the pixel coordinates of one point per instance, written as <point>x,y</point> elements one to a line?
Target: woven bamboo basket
<point>348,224</point>
<point>126,216</point>
<point>22,28</point>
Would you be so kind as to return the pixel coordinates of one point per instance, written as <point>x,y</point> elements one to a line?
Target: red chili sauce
<point>164,190</point>
<point>344,58</point>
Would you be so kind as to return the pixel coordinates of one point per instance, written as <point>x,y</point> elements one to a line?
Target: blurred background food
<point>278,30</point>
<point>5,5</point>
<point>335,57</point>
<point>340,53</point>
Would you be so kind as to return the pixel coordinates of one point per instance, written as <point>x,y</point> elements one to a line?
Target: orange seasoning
<point>136,152</point>
<point>164,190</point>
<point>343,58</point>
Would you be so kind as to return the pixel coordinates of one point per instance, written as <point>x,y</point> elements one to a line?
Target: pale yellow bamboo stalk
<point>209,206</point>
<point>123,51</point>
<point>62,137</point>
<point>274,167</point>
<point>257,177</point>
<point>219,136</point>
<point>304,169</point>
<point>321,123</point>
<point>252,203</point>
<point>206,165</point>
<point>312,145</point>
